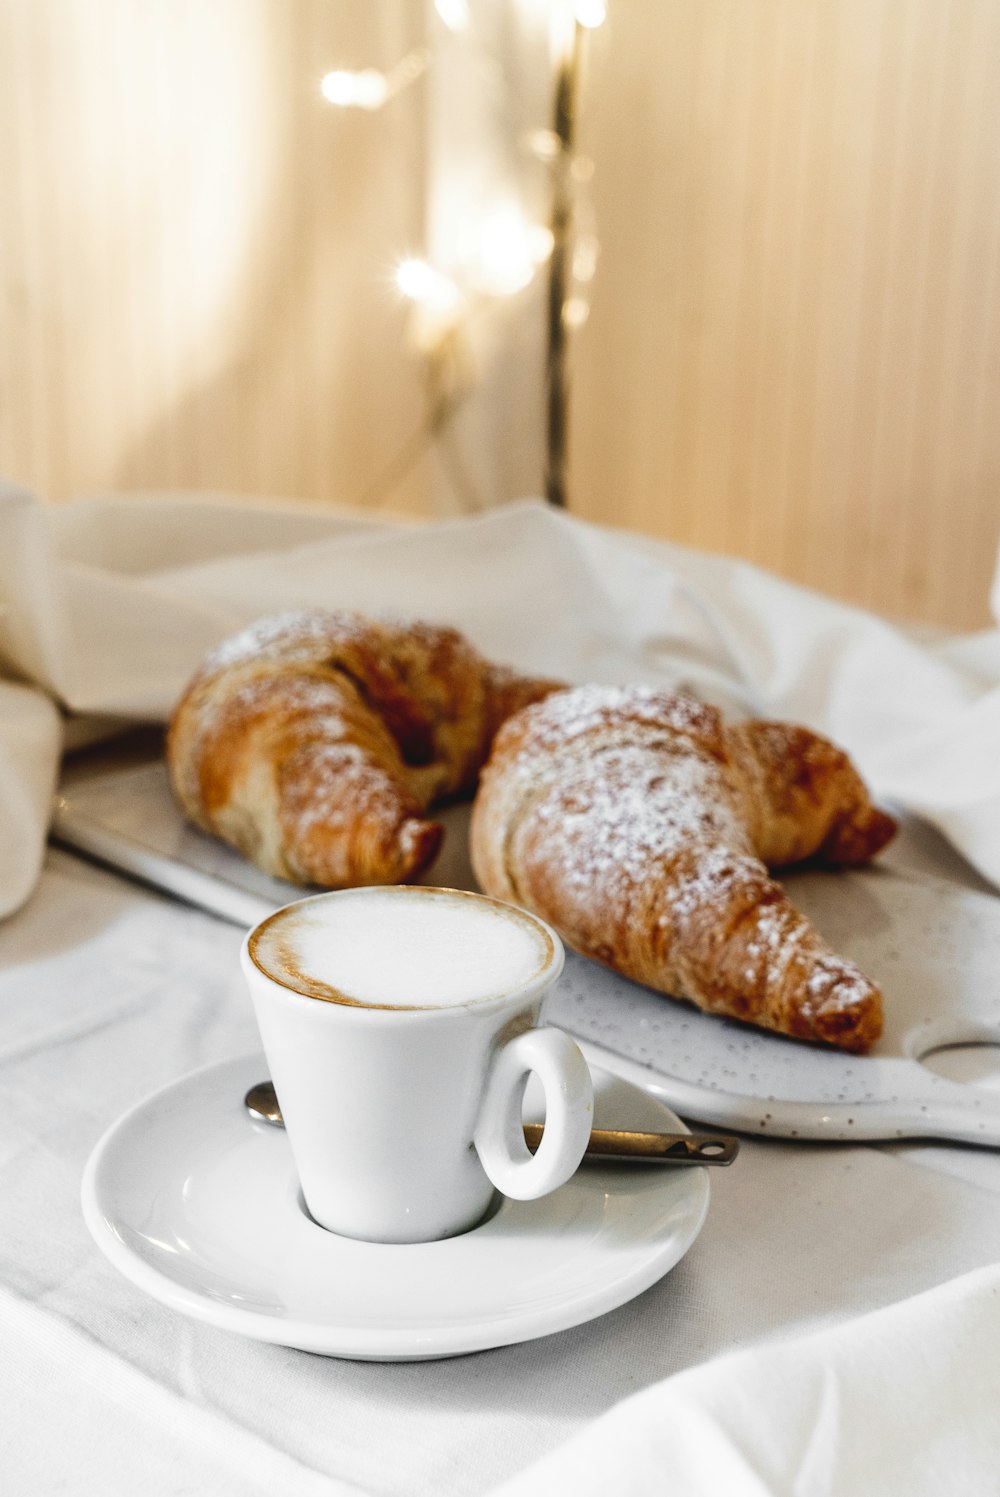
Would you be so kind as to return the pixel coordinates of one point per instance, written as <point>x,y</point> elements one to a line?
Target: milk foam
<point>401,948</point>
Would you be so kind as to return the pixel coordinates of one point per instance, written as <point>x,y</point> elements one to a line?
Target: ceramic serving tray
<point>932,942</point>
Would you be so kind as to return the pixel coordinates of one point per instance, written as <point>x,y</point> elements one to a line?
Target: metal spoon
<point>605,1143</point>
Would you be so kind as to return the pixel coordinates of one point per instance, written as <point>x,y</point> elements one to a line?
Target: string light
<point>367,88</point>
<point>510,250</point>
<point>418,281</point>
<point>501,249</point>
<point>454,13</point>
<point>576,310</point>
<point>585,254</point>
<point>415,278</point>
<point>544,145</point>
<point>590,13</point>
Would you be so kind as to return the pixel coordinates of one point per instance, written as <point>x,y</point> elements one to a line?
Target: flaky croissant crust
<point>314,742</point>
<point>640,826</point>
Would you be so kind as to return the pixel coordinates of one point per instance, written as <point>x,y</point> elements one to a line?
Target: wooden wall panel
<point>794,346</point>
<point>196,251</point>
<point>794,349</point>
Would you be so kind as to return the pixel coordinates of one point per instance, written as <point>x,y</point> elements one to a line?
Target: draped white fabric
<point>109,605</point>
<point>107,992</point>
<point>901,1400</point>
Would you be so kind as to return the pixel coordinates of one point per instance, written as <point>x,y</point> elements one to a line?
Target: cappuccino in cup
<point>400,1025</point>
<point>383,948</point>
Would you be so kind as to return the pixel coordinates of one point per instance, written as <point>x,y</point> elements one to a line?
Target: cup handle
<point>569,1111</point>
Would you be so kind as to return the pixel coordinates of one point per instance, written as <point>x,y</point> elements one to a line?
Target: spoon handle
<point>653,1148</point>
<point>605,1143</point>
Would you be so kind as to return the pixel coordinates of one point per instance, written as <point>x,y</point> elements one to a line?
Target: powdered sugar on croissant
<point>315,742</point>
<point>640,826</point>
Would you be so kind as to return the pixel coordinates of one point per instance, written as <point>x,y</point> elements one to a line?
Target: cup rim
<point>326,993</point>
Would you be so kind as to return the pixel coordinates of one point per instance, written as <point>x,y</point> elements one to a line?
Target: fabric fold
<point>109,606</point>
<point>900,1400</point>
<point>30,745</point>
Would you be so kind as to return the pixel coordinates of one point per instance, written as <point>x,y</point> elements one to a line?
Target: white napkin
<point>115,1428</point>
<point>901,1400</point>
<point>111,605</point>
<point>30,741</point>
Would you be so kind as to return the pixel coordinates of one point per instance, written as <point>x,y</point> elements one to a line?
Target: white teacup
<point>400,1026</point>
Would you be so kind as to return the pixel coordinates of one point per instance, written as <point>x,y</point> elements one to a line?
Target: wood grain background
<point>796,329</point>
<point>196,251</point>
<point>794,347</point>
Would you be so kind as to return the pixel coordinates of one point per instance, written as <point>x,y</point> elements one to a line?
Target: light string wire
<point>444,313</point>
<point>567,88</point>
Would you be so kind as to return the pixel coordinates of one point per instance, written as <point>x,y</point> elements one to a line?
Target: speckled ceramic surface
<point>932,942</point>
<point>934,947</point>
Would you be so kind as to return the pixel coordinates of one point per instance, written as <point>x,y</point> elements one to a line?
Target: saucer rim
<point>378,1343</point>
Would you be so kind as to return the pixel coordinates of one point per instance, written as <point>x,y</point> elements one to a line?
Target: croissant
<point>639,825</point>
<point>315,742</point>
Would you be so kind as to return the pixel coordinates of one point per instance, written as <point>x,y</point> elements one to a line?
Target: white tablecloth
<point>108,992</point>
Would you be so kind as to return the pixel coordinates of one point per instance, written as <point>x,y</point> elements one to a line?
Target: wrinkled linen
<point>763,1367</point>
<point>30,741</point>
<point>108,607</point>
<point>109,991</point>
<point>902,1400</point>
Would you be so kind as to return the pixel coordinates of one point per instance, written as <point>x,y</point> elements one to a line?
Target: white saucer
<point>200,1207</point>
